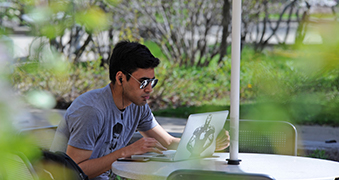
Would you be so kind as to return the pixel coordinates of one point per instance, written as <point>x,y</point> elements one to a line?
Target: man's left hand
<point>222,141</point>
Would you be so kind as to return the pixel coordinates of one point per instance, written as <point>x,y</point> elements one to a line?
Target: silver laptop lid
<point>198,138</point>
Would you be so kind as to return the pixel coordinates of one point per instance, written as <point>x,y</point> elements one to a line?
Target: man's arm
<point>95,167</point>
<point>92,167</point>
<point>162,136</point>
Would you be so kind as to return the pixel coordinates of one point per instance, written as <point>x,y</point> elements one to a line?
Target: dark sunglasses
<point>144,83</point>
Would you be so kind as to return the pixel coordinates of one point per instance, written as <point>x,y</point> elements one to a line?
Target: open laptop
<point>198,139</point>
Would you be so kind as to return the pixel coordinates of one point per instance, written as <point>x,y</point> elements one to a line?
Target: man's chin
<point>141,103</point>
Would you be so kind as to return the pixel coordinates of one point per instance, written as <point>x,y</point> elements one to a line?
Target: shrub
<point>65,81</point>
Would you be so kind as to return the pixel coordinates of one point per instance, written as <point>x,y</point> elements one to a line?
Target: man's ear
<point>119,76</point>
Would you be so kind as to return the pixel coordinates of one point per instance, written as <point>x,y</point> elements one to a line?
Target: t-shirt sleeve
<point>85,125</point>
<point>147,120</point>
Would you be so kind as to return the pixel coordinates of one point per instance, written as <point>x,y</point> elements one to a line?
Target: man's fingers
<point>160,146</point>
<point>223,140</point>
<point>156,150</point>
<point>152,145</point>
<point>153,142</point>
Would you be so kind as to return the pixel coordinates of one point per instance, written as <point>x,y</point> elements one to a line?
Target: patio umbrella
<point>235,83</point>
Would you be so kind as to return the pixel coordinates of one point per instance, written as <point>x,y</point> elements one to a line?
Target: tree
<point>226,18</point>
<point>261,25</point>
<point>188,32</point>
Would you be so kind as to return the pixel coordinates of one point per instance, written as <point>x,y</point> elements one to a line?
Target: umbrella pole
<point>235,83</point>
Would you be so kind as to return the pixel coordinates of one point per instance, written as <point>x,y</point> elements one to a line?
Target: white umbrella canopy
<point>235,82</point>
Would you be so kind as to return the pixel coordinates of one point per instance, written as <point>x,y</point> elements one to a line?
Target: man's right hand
<point>144,145</point>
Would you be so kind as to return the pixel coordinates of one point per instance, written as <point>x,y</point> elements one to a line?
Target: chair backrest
<point>60,166</point>
<point>269,137</point>
<point>184,174</point>
<point>43,136</point>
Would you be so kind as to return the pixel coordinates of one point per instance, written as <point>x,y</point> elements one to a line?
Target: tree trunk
<point>225,32</point>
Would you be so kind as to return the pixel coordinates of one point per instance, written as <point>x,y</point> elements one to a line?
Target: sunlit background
<point>53,51</point>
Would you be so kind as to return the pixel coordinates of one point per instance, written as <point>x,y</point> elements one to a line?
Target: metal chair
<point>43,136</point>
<point>184,174</point>
<point>269,137</point>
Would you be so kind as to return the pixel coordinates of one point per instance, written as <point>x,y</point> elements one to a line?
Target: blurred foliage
<point>53,18</point>
<point>12,112</point>
<point>45,77</point>
<point>80,30</point>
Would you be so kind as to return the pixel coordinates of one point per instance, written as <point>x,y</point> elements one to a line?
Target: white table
<point>277,166</point>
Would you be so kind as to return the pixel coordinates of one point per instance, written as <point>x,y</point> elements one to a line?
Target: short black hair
<point>128,57</point>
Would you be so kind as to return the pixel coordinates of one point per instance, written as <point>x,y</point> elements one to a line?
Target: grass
<point>299,85</point>
<point>301,114</point>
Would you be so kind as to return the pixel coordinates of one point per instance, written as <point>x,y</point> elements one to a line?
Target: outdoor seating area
<point>246,90</point>
<point>255,137</point>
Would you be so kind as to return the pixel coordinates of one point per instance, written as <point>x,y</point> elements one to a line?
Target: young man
<point>99,124</point>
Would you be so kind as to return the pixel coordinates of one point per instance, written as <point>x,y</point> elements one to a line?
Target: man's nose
<point>149,88</point>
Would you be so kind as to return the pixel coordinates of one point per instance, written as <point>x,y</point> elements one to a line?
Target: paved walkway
<point>309,137</point>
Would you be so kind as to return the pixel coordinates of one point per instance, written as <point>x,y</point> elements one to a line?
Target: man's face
<point>132,90</point>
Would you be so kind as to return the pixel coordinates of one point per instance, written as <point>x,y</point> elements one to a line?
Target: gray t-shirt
<point>93,122</point>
